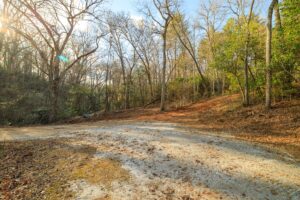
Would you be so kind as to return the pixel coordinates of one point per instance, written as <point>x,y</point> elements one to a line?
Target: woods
<point>64,58</point>
<point>149,99</point>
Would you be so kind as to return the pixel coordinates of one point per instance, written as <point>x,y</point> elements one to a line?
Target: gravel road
<point>168,161</point>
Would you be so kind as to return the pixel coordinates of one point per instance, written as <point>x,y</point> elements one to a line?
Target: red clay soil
<point>279,127</point>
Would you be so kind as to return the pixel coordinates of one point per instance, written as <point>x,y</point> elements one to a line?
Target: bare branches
<point>81,57</point>
<point>60,13</point>
<point>49,27</point>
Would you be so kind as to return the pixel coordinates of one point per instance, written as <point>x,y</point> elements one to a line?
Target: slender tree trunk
<point>278,18</point>
<point>141,89</point>
<point>129,87</point>
<point>246,86</point>
<point>254,80</point>
<point>268,55</point>
<point>163,87</point>
<point>246,74</point>
<point>213,84</point>
<point>107,107</point>
<point>125,85</point>
<point>223,85</point>
<point>240,85</point>
<point>150,84</point>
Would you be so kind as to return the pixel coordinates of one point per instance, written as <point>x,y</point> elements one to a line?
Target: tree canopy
<point>64,58</point>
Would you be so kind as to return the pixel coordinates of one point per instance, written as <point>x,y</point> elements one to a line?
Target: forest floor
<point>139,160</point>
<point>210,150</point>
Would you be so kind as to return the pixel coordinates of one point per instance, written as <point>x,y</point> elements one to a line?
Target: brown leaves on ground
<point>43,169</point>
<point>28,169</point>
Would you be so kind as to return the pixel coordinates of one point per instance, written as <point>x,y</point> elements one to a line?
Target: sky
<point>190,7</point>
<point>130,6</point>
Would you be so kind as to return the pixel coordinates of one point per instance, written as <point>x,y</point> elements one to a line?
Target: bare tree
<point>184,36</point>
<point>164,9</point>
<point>107,76</point>
<point>140,37</point>
<point>132,62</point>
<point>49,27</point>
<point>118,46</point>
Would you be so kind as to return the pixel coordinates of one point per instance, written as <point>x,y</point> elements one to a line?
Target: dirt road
<point>168,161</point>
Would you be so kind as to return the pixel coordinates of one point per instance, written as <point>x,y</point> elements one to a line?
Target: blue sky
<point>190,7</point>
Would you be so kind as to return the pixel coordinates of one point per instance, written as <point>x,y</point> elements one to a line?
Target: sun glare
<point>3,28</point>
<point>1,24</point>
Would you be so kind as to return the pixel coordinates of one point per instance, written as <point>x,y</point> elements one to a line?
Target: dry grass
<point>101,171</point>
<point>43,169</point>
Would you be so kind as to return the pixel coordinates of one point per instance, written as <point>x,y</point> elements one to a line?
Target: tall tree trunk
<point>246,86</point>
<point>150,84</point>
<point>107,107</point>
<point>269,55</point>
<point>246,73</point>
<point>128,88</point>
<point>223,83</point>
<point>54,83</point>
<point>213,84</point>
<point>278,17</point>
<point>54,95</point>
<point>163,86</point>
<point>125,85</point>
<point>141,89</point>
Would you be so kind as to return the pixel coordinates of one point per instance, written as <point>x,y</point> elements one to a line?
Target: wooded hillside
<point>64,58</point>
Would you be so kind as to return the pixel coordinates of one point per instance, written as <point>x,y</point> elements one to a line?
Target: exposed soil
<point>278,128</point>
<point>140,160</point>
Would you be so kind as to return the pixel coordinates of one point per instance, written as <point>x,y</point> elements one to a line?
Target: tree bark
<point>54,95</point>
<point>269,55</point>
<point>163,87</point>
<point>107,107</point>
<point>246,69</point>
<point>125,85</point>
